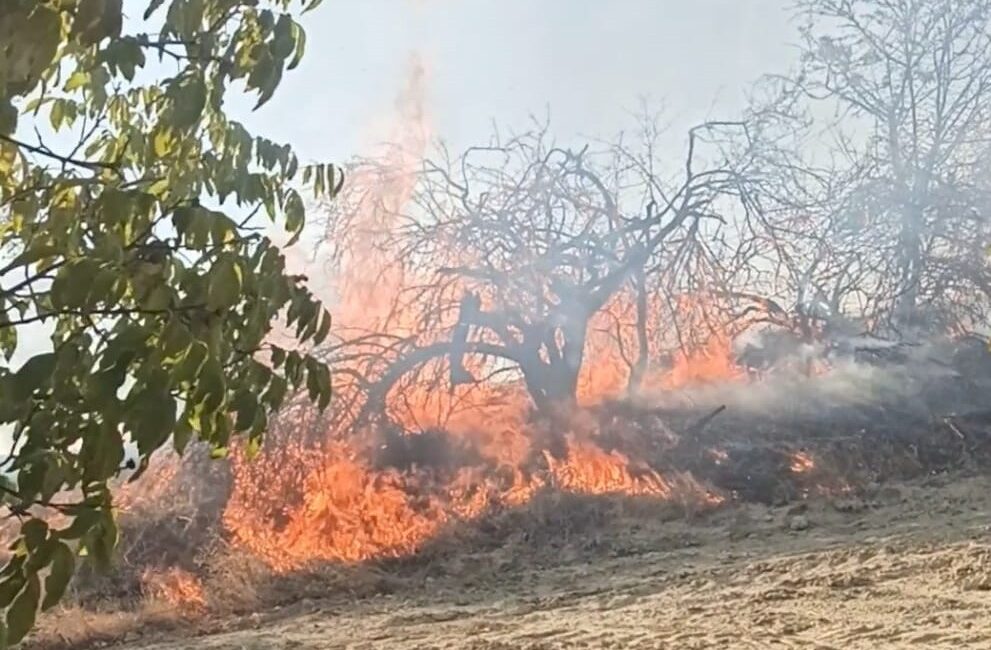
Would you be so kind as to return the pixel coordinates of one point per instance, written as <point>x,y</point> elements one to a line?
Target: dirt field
<point>910,567</point>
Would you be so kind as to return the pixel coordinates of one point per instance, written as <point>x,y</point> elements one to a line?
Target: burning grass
<point>498,401</point>
<point>332,520</point>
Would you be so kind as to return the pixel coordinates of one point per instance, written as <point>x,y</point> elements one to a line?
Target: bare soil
<point>906,566</point>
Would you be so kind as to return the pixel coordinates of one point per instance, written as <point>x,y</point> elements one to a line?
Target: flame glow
<point>801,463</point>
<point>336,499</point>
<point>176,587</point>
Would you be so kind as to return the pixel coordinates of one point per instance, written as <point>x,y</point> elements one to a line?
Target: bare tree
<point>508,252</point>
<point>909,82</point>
<point>505,261</point>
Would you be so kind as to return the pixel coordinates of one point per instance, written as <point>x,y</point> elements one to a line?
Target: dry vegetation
<point>902,565</point>
<point>907,567</point>
<point>538,368</point>
<point>180,574</point>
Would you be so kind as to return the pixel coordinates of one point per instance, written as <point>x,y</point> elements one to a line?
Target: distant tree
<point>117,159</point>
<point>900,208</point>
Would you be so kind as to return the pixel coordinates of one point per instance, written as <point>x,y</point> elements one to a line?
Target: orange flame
<point>176,587</point>
<point>590,470</point>
<point>710,363</point>
<point>334,499</point>
<point>801,463</point>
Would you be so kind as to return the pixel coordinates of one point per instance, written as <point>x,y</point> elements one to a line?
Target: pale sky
<point>588,61</point>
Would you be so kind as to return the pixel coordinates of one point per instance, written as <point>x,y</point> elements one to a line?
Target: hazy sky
<point>589,61</point>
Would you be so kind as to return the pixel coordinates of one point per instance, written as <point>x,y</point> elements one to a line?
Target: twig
<point>697,428</point>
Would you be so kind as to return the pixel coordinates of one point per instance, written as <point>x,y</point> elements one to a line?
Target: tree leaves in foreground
<point>127,236</point>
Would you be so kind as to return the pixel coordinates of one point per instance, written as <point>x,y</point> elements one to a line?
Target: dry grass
<point>77,626</point>
<point>175,567</point>
<point>140,599</point>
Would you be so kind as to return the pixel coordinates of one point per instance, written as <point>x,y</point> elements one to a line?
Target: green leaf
<point>151,416</point>
<point>318,382</point>
<point>8,162</point>
<point>8,341</point>
<point>265,77</point>
<point>164,142</point>
<point>72,285</point>
<point>102,452</point>
<point>96,20</point>
<point>125,55</point>
<point>22,612</point>
<point>194,224</point>
<point>245,407</point>
<point>159,298</point>
<point>154,306</point>
<point>8,117</point>
<point>153,6</point>
<point>42,556</point>
<point>188,100</point>
<point>223,230</point>
<point>189,366</point>
<point>211,390</point>
<point>31,477</point>
<point>10,586</point>
<point>35,251</point>
<point>84,521</point>
<point>253,447</point>
<point>295,215</point>
<point>33,374</point>
<point>276,393</point>
<point>324,329</point>
<point>63,566</point>
<point>76,80</point>
<point>294,368</point>
<point>225,284</point>
<point>282,37</point>
<point>34,532</point>
<point>181,436</point>
<point>101,540</point>
<point>33,39</point>
<point>299,37</point>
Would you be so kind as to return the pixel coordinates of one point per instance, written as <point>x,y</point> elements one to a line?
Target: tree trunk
<point>639,369</point>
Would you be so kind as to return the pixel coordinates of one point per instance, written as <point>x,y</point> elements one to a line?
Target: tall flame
<point>332,500</point>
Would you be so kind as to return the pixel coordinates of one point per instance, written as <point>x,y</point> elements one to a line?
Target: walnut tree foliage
<point>128,235</point>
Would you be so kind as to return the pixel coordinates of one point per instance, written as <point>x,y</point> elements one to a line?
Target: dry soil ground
<point>908,568</point>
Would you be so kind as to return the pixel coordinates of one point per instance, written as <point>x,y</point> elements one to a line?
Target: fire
<point>590,470</point>
<point>801,463</point>
<point>368,299</point>
<point>176,587</point>
<point>711,362</point>
<point>356,514</point>
<point>346,490</point>
<point>357,494</point>
<point>706,356</point>
<point>335,504</point>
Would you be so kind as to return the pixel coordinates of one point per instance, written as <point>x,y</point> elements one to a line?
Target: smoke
<point>354,259</point>
<point>897,379</point>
